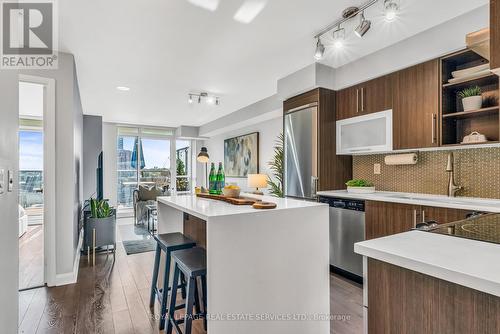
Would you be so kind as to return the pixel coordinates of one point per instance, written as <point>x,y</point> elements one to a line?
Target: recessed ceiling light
<point>123,88</point>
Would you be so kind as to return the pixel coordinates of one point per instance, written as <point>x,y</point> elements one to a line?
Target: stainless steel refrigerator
<point>301,151</point>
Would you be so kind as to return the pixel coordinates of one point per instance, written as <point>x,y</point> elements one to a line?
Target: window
<point>143,157</point>
<point>31,169</point>
<point>183,165</point>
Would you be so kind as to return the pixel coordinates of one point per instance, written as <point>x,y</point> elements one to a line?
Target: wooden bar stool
<point>168,243</point>
<point>193,264</point>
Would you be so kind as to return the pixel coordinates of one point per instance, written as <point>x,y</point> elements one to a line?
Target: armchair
<point>145,196</point>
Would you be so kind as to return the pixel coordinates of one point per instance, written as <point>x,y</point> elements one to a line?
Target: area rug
<point>139,239</point>
<point>139,246</point>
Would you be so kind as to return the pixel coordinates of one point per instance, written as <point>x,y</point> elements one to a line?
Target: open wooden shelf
<point>456,123</point>
<point>472,113</point>
<point>480,81</point>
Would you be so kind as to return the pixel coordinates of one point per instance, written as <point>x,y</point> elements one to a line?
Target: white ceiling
<point>164,49</point>
<point>30,100</point>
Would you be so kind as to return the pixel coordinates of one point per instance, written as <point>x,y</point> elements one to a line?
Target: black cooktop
<point>483,228</point>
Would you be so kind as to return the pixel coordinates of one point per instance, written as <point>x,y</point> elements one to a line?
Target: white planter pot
<point>472,103</point>
<point>361,190</point>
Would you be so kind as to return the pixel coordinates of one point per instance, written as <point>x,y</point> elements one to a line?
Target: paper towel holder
<point>401,159</point>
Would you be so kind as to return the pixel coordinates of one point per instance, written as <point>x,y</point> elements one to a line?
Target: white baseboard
<point>71,277</point>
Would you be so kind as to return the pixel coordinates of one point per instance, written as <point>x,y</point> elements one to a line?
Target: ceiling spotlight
<point>363,27</point>
<point>190,100</point>
<point>199,99</point>
<point>391,9</point>
<point>123,88</point>
<point>217,101</point>
<point>210,100</point>
<point>320,50</point>
<point>338,37</point>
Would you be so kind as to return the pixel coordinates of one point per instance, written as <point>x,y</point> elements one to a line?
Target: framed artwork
<point>241,155</point>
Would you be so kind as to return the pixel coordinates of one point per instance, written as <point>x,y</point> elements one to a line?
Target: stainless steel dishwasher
<point>347,226</point>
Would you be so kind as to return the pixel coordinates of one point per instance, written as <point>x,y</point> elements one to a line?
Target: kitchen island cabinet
<point>260,263</point>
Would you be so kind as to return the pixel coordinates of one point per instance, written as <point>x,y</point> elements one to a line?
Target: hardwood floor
<point>113,297</point>
<point>31,257</point>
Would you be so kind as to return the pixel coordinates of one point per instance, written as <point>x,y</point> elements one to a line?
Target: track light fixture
<point>391,8</point>
<point>320,50</point>
<point>209,99</point>
<point>363,27</point>
<point>338,37</point>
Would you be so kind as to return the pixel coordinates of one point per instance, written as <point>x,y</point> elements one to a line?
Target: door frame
<point>49,174</point>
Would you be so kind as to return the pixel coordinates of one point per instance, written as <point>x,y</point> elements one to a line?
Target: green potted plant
<point>276,166</point>
<point>471,98</point>
<point>101,225</point>
<point>360,186</point>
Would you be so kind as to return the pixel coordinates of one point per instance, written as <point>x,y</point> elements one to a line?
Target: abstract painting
<point>241,155</point>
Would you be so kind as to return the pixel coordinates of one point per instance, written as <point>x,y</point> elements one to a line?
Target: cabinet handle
<point>433,129</point>
<point>362,98</point>
<point>357,100</point>
<point>415,218</point>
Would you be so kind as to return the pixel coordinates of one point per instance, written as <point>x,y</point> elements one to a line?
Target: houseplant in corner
<point>276,166</point>
<point>101,225</point>
<point>471,98</point>
<point>360,186</point>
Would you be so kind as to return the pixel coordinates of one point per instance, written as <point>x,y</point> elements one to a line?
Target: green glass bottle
<point>221,179</point>
<point>212,180</point>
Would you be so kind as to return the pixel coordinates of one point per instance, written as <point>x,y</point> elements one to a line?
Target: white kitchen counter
<point>266,269</point>
<point>463,203</point>
<point>474,264</point>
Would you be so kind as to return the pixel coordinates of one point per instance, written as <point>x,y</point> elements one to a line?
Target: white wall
<point>9,159</point>
<point>92,147</point>
<point>435,42</point>
<point>109,133</point>
<point>268,133</point>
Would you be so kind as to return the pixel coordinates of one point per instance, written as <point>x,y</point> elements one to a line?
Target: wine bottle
<point>212,180</point>
<point>220,179</point>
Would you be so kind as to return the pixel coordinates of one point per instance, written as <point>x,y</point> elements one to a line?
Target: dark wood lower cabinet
<point>196,229</point>
<point>404,301</point>
<point>383,218</point>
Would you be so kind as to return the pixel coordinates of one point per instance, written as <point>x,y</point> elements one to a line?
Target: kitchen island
<point>442,281</point>
<point>267,270</point>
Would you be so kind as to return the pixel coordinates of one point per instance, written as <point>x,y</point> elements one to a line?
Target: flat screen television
<point>99,174</point>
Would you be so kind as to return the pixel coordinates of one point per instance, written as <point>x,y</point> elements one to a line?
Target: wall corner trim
<point>72,276</point>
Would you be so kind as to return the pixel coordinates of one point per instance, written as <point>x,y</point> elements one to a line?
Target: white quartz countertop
<point>474,264</point>
<point>464,203</point>
<point>205,208</point>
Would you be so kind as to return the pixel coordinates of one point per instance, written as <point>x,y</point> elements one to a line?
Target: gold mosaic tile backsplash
<point>477,170</point>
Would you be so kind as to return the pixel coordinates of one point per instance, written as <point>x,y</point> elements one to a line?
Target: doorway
<point>36,182</point>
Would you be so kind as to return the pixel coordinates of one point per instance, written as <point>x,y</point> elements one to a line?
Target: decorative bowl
<point>231,192</point>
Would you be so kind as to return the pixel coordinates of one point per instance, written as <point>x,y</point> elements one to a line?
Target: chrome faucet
<point>452,186</point>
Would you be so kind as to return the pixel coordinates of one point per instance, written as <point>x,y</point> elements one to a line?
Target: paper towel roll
<point>401,159</point>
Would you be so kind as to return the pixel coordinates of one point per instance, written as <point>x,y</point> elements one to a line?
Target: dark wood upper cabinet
<point>347,103</point>
<point>376,95</point>
<point>369,97</point>
<point>495,34</point>
<point>416,106</point>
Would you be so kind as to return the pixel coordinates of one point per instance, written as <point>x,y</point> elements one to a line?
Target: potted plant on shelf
<point>100,227</point>
<point>471,98</point>
<point>360,186</point>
